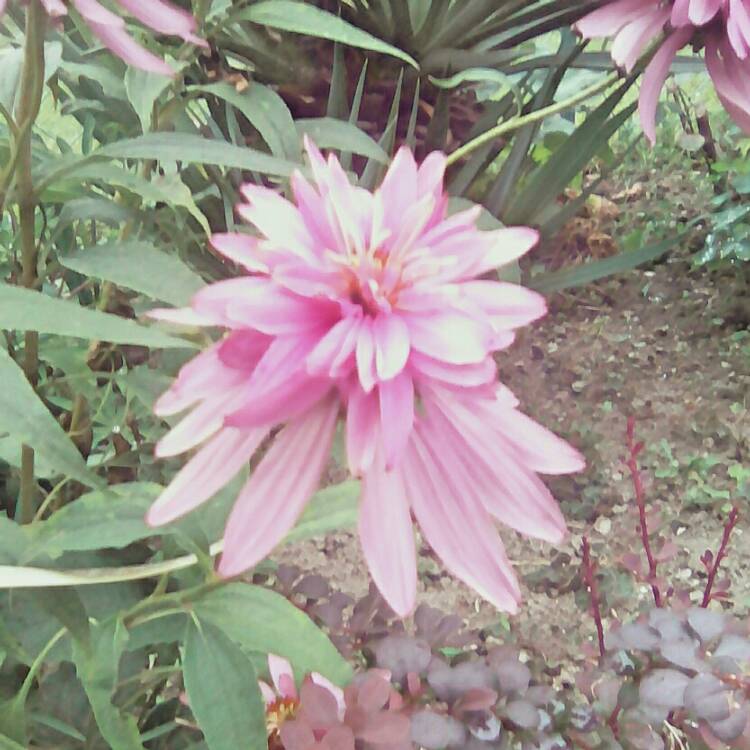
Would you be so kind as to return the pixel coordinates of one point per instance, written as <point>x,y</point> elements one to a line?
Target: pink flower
<point>316,711</point>
<point>158,15</point>
<point>368,304</point>
<point>721,26</point>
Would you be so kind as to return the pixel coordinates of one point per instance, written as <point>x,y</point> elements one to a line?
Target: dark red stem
<point>640,498</point>
<point>732,518</point>
<point>612,721</point>
<point>589,576</point>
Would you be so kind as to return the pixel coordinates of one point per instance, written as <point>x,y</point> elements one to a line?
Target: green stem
<point>32,88</point>
<point>37,664</point>
<point>23,577</point>
<point>54,492</point>
<point>540,114</point>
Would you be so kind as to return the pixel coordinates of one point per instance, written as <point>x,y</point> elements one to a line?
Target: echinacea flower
<point>722,27</point>
<point>158,15</point>
<point>371,305</point>
<point>318,705</point>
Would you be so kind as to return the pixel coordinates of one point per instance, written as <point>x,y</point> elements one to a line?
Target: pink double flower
<point>374,309</point>
<point>721,27</point>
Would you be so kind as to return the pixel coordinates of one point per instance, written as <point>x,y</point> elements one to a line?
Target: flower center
<point>276,714</point>
<point>372,284</point>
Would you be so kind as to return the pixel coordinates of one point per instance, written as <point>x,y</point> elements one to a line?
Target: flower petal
<point>455,525</point>
<point>335,347</point>
<point>362,430</point>
<point>449,337</point>
<point>241,249</point>
<point>287,400</point>
<point>655,76</point>
<point>282,675</point>
<point>205,420</point>
<point>385,531</point>
<point>164,18</point>
<point>611,17</point>
<point>213,466</point>
<point>396,416</point>
<point>243,349</point>
<point>391,339</point>
<point>288,476</point>
<point>365,354</point>
<point>203,376</point>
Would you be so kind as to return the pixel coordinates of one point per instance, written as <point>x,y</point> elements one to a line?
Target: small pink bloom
<point>721,26</point>
<point>158,15</point>
<point>372,306</point>
<point>316,710</point>
<point>285,689</point>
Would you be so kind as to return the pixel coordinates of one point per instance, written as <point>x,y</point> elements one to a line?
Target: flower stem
<point>539,114</point>
<point>640,498</point>
<point>589,577</point>
<point>32,88</point>
<point>734,516</point>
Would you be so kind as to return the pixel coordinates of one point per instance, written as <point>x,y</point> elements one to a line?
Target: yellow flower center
<point>276,714</point>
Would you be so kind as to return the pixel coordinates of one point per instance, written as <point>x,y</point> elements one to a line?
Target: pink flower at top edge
<point>721,26</point>
<point>370,306</point>
<point>158,15</point>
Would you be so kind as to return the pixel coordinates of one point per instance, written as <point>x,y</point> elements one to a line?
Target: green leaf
<point>144,89</point>
<point>29,421</point>
<point>13,711</point>
<point>301,18</point>
<point>593,270</point>
<point>497,83</point>
<point>266,111</point>
<point>66,606</point>
<point>333,508</point>
<point>222,687</point>
<point>550,179</point>
<point>327,132</point>
<point>6,743</point>
<point>111,518</point>
<point>261,620</point>
<point>138,266</point>
<point>25,310</point>
<point>88,209</point>
<point>13,540</point>
<point>185,147</point>
<point>97,665</point>
<point>11,65</point>
<point>373,170</point>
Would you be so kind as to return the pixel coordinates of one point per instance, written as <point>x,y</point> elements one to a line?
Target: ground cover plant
<point>374,374</point>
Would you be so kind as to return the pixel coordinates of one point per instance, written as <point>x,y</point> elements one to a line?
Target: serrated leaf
<point>25,310</point>
<point>138,266</point>
<point>222,688</point>
<point>27,420</point>
<point>261,620</point>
